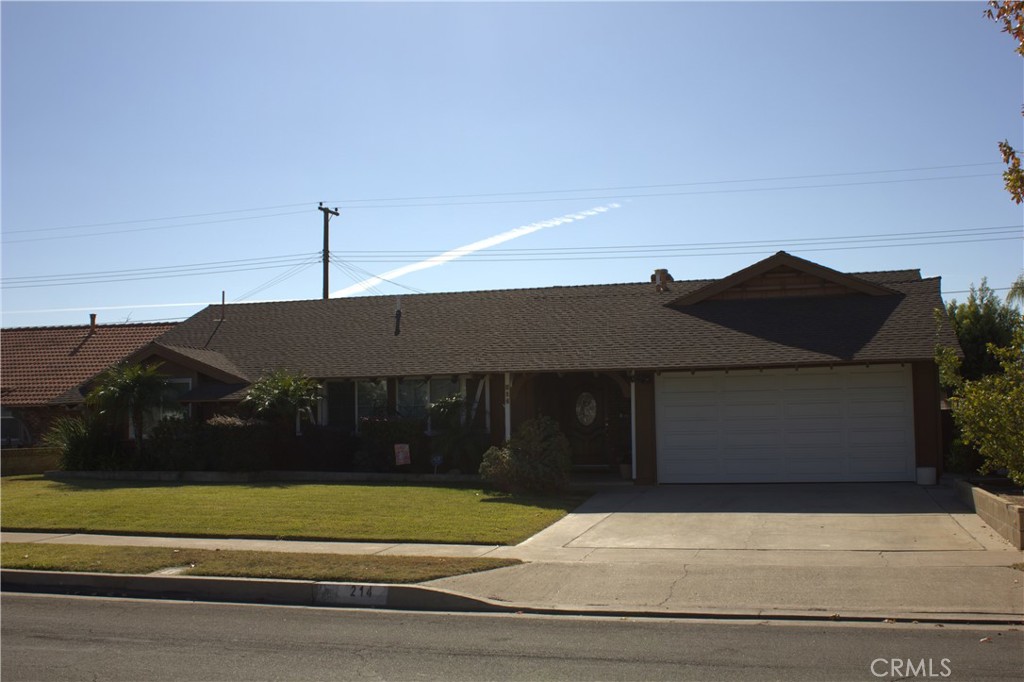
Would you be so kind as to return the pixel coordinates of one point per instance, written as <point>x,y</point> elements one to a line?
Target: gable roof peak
<point>782,275</point>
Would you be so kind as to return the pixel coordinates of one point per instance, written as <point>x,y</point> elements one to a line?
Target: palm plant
<point>281,396</point>
<point>128,392</point>
<point>1016,293</point>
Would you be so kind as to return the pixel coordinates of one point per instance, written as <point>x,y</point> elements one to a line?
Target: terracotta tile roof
<point>39,364</point>
<point>578,328</point>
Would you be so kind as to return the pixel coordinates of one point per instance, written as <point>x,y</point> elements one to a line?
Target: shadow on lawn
<point>567,502</point>
<point>563,502</point>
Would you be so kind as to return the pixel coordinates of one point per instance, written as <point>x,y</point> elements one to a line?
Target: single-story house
<point>42,369</point>
<point>784,371</point>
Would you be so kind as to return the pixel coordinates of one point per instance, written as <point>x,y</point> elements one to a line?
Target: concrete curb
<point>407,598</point>
<point>244,590</point>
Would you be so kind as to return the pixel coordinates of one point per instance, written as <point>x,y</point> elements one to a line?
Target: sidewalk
<point>624,552</point>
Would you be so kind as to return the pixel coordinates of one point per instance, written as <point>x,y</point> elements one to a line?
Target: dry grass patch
<point>240,564</point>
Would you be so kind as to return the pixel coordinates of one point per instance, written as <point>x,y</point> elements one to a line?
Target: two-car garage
<point>844,423</point>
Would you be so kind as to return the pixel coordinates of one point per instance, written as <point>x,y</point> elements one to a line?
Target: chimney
<point>92,323</point>
<point>661,278</point>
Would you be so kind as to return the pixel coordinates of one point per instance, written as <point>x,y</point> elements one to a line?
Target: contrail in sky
<point>468,249</point>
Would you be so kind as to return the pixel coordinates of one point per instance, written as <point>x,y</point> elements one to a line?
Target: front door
<point>592,412</point>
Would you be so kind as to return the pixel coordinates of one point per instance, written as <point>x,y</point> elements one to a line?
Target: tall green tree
<point>281,396</point>
<point>981,320</point>
<point>126,392</point>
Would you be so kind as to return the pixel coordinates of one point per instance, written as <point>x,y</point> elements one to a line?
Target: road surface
<point>47,637</point>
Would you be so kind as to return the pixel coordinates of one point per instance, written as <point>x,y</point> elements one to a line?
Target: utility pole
<point>327,242</point>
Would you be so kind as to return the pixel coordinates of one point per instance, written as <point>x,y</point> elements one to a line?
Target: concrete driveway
<point>889,550</point>
<point>830,517</point>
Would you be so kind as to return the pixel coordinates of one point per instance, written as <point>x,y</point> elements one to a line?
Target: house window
<point>350,401</point>
<point>442,388</point>
<point>415,396</point>
<point>170,407</point>
<point>371,399</point>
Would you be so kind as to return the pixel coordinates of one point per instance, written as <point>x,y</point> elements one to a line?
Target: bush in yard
<point>218,444</point>
<point>454,436</point>
<point>86,444</point>
<point>981,323</point>
<point>536,460</point>
<point>377,439</point>
<point>989,411</point>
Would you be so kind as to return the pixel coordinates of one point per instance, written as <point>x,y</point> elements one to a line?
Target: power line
<point>164,275</point>
<point>663,185</point>
<point>481,195</point>
<point>186,266</point>
<point>150,229</point>
<point>689,253</point>
<point>353,275</point>
<point>366,274</point>
<point>154,220</point>
<point>965,231</point>
<point>674,194</point>
<point>634,251</point>
<point>280,278</point>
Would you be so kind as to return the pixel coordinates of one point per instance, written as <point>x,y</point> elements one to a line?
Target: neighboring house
<point>42,369</point>
<point>783,371</point>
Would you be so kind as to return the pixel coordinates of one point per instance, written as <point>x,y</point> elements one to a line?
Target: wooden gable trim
<point>154,349</point>
<point>799,272</point>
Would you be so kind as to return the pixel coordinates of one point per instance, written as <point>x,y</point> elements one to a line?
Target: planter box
<point>18,461</point>
<point>1004,517</point>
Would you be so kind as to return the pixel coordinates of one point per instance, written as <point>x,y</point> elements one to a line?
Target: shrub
<point>990,412</point>
<point>453,436</point>
<point>536,460</point>
<point>219,444</point>
<point>86,444</point>
<point>378,437</point>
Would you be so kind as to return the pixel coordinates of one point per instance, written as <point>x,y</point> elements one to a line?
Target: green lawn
<point>356,512</point>
<point>242,564</point>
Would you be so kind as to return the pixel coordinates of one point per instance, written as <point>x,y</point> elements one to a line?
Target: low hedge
<point>19,461</point>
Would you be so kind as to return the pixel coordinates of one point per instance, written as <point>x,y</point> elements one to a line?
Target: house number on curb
<point>351,594</point>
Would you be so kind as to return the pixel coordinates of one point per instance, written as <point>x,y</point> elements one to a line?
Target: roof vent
<point>661,278</point>
<point>92,323</point>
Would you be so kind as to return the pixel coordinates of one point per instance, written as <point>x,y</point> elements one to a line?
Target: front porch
<point>593,410</point>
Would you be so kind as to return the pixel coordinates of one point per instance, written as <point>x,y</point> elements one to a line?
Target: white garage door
<point>841,424</point>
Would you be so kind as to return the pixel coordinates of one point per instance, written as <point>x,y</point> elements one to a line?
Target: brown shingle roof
<point>600,327</point>
<point>40,364</point>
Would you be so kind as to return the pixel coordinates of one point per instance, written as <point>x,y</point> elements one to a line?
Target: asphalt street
<point>47,637</point>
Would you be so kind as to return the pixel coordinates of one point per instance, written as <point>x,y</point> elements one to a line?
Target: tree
<point>1011,16</point>
<point>281,396</point>
<point>982,320</point>
<point>1016,293</point>
<point>126,392</point>
<point>989,411</point>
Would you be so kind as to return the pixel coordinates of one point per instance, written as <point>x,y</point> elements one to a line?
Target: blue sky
<point>142,142</point>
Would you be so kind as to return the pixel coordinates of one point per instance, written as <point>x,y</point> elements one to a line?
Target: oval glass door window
<point>586,409</point>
